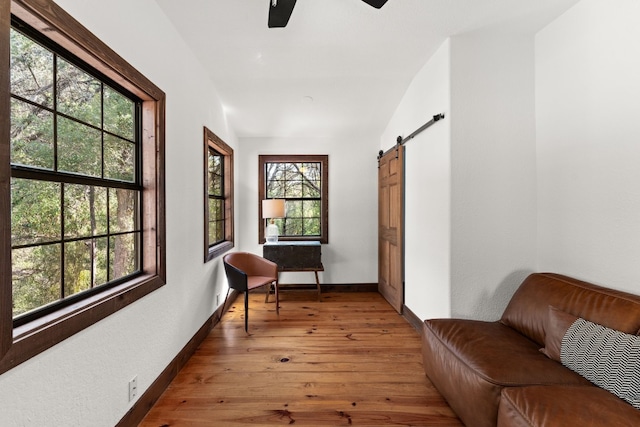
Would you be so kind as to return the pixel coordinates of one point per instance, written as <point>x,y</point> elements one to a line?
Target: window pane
<point>84,265</point>
<point>216,185</point>
<point>79,94</point>
<point>275,171</point>
<point>31,135</point>
<point>119,159</point>
<point>122,255</point>
<point>293,189</point>
<point>216,232</point>
<point>100,259</point>
<point>311,208</point>
<point>292,227</point>
<point>275,189</point>
<point>312,171</point>
<point>311,189</point>
<point>31,70</point>
<point>216,209</point>
<point>77,266</point>
<point>311,226</point>
<point>292,171</point>
<point>35,211</point>
<point>293,208</point>
<point>119,117</point>
<point>79,148</point>
<point>122,210</point>
<point>85,210</point>
<point>35,277</point>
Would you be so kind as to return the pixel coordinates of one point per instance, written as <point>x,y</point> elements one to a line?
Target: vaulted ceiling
<point>340,67</point>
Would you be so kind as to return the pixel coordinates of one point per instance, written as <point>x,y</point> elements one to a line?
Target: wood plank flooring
<point>348,360</point>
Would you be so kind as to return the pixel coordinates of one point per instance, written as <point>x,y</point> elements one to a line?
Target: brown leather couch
<point>493,373</point>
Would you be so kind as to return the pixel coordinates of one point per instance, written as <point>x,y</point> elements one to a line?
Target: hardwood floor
<point>348,360</point>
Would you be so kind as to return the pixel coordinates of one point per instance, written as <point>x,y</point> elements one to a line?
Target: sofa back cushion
<point>528,309</point>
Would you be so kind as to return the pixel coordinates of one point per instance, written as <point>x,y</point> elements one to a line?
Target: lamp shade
<point>273,208</point>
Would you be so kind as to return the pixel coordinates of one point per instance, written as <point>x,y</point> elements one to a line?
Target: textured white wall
<point>493,170</point>
<point>588,130</point>
<point>84,380</point>
<point>351,255</point>
<point>427,187</point>
<point>471,184</point>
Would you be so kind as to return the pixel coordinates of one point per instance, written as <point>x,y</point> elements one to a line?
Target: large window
<point>81,189</point>
<point>218,196</point>
<point>75,184</point>
<point>302,181</point>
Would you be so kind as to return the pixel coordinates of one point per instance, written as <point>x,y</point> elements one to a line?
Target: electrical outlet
<point>133,388</point>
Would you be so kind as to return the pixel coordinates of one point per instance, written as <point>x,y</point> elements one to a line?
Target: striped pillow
<point>608,358</point>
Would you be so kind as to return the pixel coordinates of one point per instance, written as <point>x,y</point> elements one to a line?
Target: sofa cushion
<point>556,326</point>
<point>470,361</point>
<point>608,358</point>
<point>527,310</point>
<point>563,406</point>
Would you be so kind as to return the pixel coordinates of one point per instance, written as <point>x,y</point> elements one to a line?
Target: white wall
<point>351,255</point>
<point>84,380</point>
<point>493,204</point>
<point>427,187</point>
<point>470,180</point>
<point>588,130</point>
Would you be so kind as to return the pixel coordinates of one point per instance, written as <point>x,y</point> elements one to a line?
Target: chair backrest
<point>252,264</point>
<point>237,278</point>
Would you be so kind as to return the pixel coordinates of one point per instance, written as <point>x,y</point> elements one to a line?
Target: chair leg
<point>277,298</point>
<point>246,311</point>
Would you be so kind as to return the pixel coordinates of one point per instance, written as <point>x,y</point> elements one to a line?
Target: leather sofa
<point>496,373</point>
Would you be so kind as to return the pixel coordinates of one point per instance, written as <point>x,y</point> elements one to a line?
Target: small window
<point>218,206</point>
<point>301,180</point>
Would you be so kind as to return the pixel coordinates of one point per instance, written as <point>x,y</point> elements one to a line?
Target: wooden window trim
<point>301,158</point>
<point>213,141</point>
<point>20,344</point>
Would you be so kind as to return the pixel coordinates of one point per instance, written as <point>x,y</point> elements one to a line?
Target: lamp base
<point>271,233</point>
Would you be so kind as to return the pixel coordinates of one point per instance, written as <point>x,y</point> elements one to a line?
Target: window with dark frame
<point>75,182</point>
<point>302,182</point>
<point>218,196</point>
<point>82,227</point>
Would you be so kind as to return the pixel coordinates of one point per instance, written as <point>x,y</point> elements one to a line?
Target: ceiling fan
<point>280,11</point>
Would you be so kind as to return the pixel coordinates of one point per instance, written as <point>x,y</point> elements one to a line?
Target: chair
<point>246,271</point>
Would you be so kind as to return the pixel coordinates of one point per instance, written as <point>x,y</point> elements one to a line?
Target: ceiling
<point>340,67</point>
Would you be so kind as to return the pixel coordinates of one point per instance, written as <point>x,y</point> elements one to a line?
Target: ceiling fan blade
<point>280,13</point>
<point>375,3</point>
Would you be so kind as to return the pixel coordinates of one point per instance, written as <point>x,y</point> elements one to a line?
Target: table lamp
<point>272,208</point>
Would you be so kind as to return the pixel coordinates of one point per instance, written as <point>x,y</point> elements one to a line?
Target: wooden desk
<point>296,256</point>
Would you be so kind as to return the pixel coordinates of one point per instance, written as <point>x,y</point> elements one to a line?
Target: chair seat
<point>257,281</point>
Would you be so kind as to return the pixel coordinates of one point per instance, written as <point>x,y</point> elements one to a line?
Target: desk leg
<point>266,297</point>
<point>318,284</point>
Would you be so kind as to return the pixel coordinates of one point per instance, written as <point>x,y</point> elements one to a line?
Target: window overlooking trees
<point>74,180</point>
<point>302,182</point>
<point>82,222</point>
<point>218,196</point>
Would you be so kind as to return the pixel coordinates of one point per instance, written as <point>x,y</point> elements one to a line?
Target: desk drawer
<point>294,256</point>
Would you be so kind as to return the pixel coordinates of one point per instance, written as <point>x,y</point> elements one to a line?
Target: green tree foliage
<point>216,197</point>
<point>68,237</point>
<point>300,185</point>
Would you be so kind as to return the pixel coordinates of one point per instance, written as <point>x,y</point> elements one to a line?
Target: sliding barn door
<point>390,222</point>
